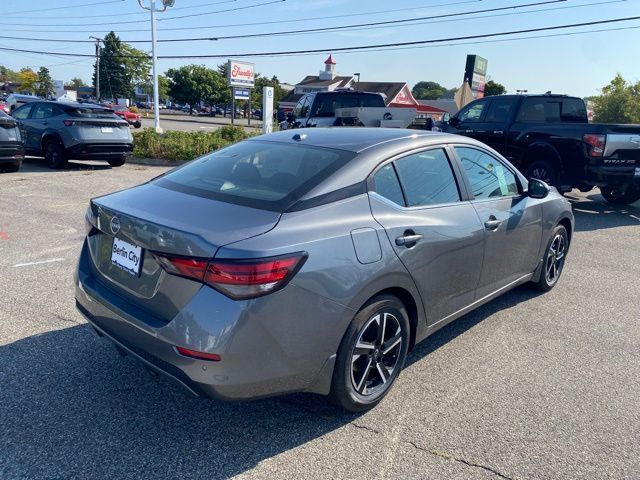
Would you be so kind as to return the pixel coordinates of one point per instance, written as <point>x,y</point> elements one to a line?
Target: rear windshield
<point>258,174</point>
<point>90,112</point>
<point>326,103</point>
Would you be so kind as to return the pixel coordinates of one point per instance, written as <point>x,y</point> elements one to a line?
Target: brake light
<point>237,279</point>
<point>214,357</point>
<point>68,123</point>
<point>596,144</point>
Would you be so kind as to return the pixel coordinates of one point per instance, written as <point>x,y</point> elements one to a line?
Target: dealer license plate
<point>106,130</point>
<point>126,256</point>
<point>637,172</point>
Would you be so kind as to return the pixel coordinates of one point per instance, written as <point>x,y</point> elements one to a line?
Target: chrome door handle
<point>408,240</point>
<point>492,223</point>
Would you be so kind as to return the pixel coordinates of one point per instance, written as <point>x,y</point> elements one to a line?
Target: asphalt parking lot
<point>529,386</point>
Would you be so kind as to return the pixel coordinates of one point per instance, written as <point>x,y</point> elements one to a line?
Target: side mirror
<point>454,122</point>
<point>537,188</point>
<point>446,118</point>
<point>290,117</point>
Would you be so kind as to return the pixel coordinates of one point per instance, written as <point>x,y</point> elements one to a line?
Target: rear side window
<point>427,178</point>
<point>22,113</point>
<point>488,177</point>
<point>574,110</point>
<point>552,110</point>
<point>264,175</point>
<point>90,112</point>
<point>499,110</point>
<point>386,184</point>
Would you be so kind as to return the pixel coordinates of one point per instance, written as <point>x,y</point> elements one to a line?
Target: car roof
<point>76,104</point>
<point>356,139</point>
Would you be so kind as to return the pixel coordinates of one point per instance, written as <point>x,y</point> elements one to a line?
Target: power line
<point>414,21</point>
<point>352,48</point>
<point>109,24</point>
<point>234,25</point>
<point>64,7</point>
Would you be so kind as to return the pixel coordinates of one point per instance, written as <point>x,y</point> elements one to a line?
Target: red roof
<point>330,61</point>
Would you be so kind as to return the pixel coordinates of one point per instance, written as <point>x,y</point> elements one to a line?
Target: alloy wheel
<point>555,259</point>
<point>376,353</point>
<point>541,173</point>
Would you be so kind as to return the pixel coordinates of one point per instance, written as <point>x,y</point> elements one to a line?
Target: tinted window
<point>489,178</point>
<point>42,110</point>
<point>327,103</point>
<point>88,112</point>
<point>574,110</point>
<point>386,184</point>
<point>262,175</point>
<point>23,112</point>
<point>427,178</point>
<point>473,112</point>
<point>499,110</point>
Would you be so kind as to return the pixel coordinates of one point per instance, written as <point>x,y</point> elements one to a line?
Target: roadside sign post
<point>267,110</point>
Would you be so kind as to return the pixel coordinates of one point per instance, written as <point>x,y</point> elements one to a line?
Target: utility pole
<point>156,94</point>
<point>98,40</point>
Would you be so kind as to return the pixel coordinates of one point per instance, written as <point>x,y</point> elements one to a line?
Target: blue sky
<point>578,64</point>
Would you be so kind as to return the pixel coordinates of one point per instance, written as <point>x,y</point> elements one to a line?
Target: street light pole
<point>154,58</point>
<point>98,40</point>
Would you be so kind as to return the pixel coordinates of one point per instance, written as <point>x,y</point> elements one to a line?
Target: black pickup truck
<point>549,137</point>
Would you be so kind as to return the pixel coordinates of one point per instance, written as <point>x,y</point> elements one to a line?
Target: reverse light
<point>213,357</point>
<point>596,144</point>
<point>237,279</point>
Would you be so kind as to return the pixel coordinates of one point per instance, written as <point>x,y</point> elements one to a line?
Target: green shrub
<point>174,145</point>
<point>134,109</point>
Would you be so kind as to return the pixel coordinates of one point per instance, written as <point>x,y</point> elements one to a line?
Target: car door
<point>433,229</point>
<point>493,129</point>
<point>512,221</point>
<point>39,123</point>
<point>469,120</point>
<point>21,115</point>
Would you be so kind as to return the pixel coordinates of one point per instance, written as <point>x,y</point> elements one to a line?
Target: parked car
<point>4,107</point>
<point>123,112</point>
<point>313,261</point>
<point>60,131</point>
<point>16,100</point>
<point>11,149</point>
<point>550,137</point>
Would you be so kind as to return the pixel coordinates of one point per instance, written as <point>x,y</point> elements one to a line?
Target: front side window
<point>427,178</point>
<point>22,113</point>
<point>265,175</point>
<point>488,177</point>
<point>472,113</point>
<point>499,110</point>
<point>302,107</point>
<point>43,110</point>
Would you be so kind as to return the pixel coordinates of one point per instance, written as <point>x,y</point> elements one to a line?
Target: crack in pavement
<point>436,453</point>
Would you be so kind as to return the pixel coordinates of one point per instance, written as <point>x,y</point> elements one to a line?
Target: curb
<point>156,162</point>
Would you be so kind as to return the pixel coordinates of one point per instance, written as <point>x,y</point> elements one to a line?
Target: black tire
<point>11,167</point>
<point>137,124</point>
<point>552,262</point>
<point>54,154</point>
<point>543,170</point>
<point>358,382</point>
<point>620,196</point>
<point>117,162</point>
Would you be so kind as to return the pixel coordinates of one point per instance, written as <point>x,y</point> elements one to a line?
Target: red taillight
<point>68,123</point>
<point>238,279</point>
<point>214,357</point>
<point>596,144</point>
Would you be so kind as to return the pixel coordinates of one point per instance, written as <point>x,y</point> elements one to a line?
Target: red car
<point>126,114</point>
<point>4,107</point>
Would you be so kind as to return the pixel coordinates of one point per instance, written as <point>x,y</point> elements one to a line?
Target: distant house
<point>442,105</point>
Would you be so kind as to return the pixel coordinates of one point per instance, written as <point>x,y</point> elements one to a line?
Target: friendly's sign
<point>241,74</point>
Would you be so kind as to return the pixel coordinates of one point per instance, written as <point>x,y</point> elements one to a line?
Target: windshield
<point>259,174</point>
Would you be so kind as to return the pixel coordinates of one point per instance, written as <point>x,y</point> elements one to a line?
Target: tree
<point>8,75</point>
<point>28,79</point>
<point>44,85</point>
<point>193,84</point>
<point>428,90</point>
<point>619,102</point>
<point>76,82</point>
<point>163,88</point>
<point>122,68</point>
<point>492,88</point>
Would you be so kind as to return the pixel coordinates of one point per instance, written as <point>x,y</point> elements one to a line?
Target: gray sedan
<point>313,261</point>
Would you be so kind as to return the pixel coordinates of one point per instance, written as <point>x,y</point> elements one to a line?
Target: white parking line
<point>52,260</point>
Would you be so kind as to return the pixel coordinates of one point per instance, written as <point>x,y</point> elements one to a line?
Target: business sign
<point>241,74</point>
<point>267,110</point>
<point>58,88</point>
<point>241,93</point>
<point>475,74</point>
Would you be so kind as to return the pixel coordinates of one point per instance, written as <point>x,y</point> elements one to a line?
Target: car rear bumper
<point>613,175</point>
<point>11,152</point>
<point>252,338</point>
<point>99,151</point>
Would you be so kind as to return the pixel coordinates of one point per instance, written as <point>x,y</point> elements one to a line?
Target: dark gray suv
<point>60,131</point>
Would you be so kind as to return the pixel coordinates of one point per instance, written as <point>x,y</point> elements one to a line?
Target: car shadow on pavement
<point>38,165</point>
<point>594,213</point>
<point>73,408</point>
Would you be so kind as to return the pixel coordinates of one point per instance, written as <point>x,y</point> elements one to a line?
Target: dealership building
<point>396,94</point>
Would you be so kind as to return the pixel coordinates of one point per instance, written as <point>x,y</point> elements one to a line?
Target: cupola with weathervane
<point>329,72</point>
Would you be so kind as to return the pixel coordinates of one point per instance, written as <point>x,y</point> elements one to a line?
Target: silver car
<point>313,261</point>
